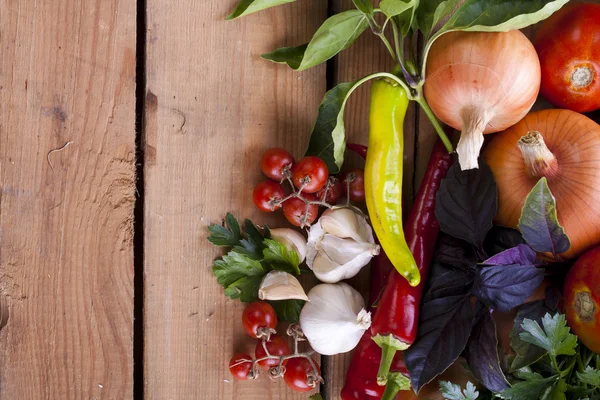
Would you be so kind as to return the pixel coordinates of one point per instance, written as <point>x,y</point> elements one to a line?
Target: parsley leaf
<point>225,236</point>
<point>529,389</point>
<point>555,338</point>
<point>240,275</point>
<point>281,258</point>
<point>288,310</point>
<point>590,376</point>
<point>452,391</point>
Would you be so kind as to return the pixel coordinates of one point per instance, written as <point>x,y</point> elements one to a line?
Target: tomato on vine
<point>334,191</point>
<point>259,319</point>
<point>310,174</point>
<point>240,367</point>
<point>354,184</point>
<point>276,346</point>
<point>296,211</point>
<point>300,375</point>
<point>266,196</point>
<point>274,161</point>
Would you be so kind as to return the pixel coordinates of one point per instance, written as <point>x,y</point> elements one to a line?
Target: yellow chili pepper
<point>383,174</point>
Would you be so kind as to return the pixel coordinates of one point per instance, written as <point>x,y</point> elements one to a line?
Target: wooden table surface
<point>125,130</point>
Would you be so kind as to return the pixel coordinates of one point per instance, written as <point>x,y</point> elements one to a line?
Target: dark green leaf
<point>444,328</point>
<point>558,391</point>
<point>253,246</point>
<point>239,275</point>
<point>555,337</point>
<point>364,6</point>
<point>482,354</point>
<point>527,353</point>
<point>281,258</point>
<point>391,8</point>
<point>288,310</point>
<point>529,389</point>
<point>246,7</point>
<point>539,223</point>
<point>337,33</point>
<point>225,236</point>
<point>430,12</point>
<point>590,376</point>
<point>467,202</point>
<point>316,396</point>
<point>452,391</point>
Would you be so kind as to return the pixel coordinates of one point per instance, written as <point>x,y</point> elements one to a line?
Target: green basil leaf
<point>336,34</point>
<point>430,12</point>
<point>539,222</point>
<point>246,7</point>
<point>391,8</point>
<point>328,137</point>
<point>364,5</point>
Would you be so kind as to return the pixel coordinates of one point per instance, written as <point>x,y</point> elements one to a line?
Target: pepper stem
<point>389,346</point>
<point>434,121</point>
<point>396,382</point>
<point>539,160</point>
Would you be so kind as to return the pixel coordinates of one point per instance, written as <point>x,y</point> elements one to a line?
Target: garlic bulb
<point>291,239</point>
<point>279,285</point>
<point>334,319</point>
<point>340,244</point>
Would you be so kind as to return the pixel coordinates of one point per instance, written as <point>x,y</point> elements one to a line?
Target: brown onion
<point>563,146</point>
<point>481,82</point>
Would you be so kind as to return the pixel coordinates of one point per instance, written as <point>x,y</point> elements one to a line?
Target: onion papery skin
<point>574,140</point>
<point>481,82</point>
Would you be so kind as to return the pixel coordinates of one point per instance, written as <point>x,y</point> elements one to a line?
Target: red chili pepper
<point>358,149</point>
<point>394,324</point>
<point>421,232</point>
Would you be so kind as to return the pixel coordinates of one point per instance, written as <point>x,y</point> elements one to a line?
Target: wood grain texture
<point>207,72</point>
<point>368,55</point>
<point>67,76</point>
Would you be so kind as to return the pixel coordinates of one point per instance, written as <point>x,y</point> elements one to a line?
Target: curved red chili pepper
<point>399,303</point>
<point>359,149</point>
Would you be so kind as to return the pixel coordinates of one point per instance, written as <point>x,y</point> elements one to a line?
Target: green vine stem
<point>434,121</point>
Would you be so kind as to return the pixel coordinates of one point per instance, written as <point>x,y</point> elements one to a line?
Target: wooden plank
<point>212,107</point>
<point>67,160</point>
<point>368,55</point>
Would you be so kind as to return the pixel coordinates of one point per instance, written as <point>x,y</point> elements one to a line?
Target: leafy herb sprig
<point>403,21</point>
<point>252,255</point>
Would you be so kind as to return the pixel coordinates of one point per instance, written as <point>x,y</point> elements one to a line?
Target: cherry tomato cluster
<point>310,186</point>
<point>299,371</point>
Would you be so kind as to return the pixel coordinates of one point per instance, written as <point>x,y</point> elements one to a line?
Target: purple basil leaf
<point>445,280</point>
<point>506,286</point>
<point>466,203</point>
<point>455,252</point>
<point>539,222</point>
<point>500,238</point>
<point>482,354</point>
<point>522,254</point>
<point>444,328</point>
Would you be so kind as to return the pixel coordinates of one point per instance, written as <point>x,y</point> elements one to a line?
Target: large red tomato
<point>568,44</point>
<point>582,299</point>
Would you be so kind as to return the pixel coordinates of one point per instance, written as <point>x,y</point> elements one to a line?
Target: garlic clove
<point>279,285</point>
<point>315,235</point>
<point>335,318</point>
<point>291,239</point>
<point>341,222</point>
<point>341,259</point>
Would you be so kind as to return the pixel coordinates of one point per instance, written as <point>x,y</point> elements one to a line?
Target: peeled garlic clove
<point>291,239</point>
<point>340,259</point>
<point>334,319</point>
<point>279,285</point>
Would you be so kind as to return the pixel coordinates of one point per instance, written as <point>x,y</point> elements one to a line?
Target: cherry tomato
<point>300,376</point>
<point>312,170</point>
<point>569,50</point>
<point>294,210</point>
<point>582,299</point>
<point>357,184</point>
<point>333,193</point>
<point>273,161</point>
<point>277,346</point>
<point>259,318</point>
<point>265,193</point>
<point>240,366</point>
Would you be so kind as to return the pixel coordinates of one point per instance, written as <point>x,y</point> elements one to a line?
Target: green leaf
<point>239,275</point>
<point>527,353</point>
<point>225,236</point>
<point>316,396</point>
<point>288,310</point>
<point>253,246</point>
<point>364,6</point>
<point>452,391</point>
<point>529,389</point>
<point>539,223</point>
<point>590,376</point>
<point>246,7</point>
<point>391,8</point>
<point>555,338</point>
<point>281,258</point>
<point>328,138</point>
<point>558,391</point>
<point>336,34</point>
<point>430,12</point>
